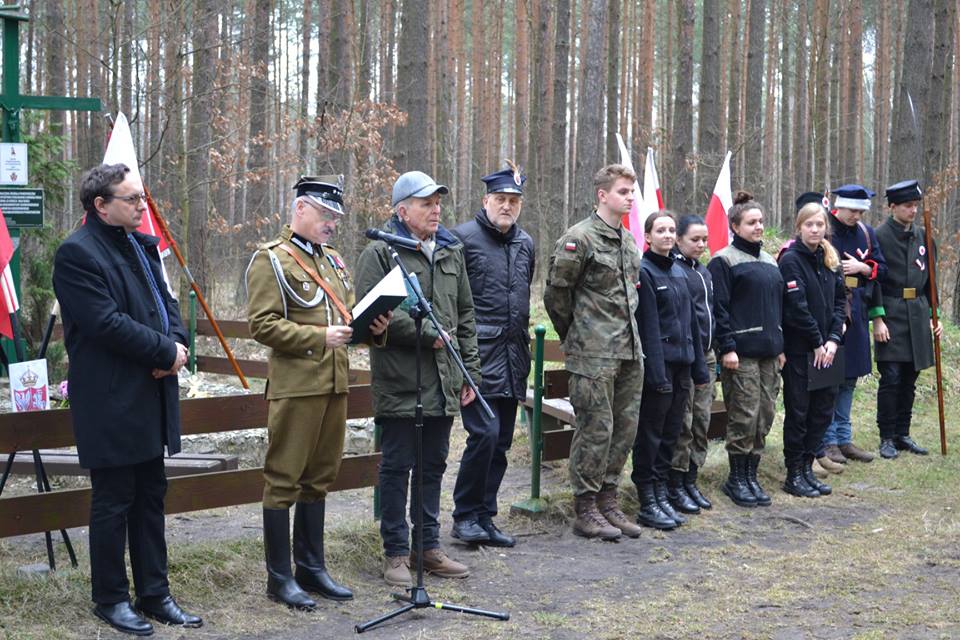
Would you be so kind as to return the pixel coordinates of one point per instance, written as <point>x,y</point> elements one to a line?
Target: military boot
<point>609,508</point>
<point>589,522</point>
<point>276,544</point>
<point>660,491</point>
<point>650,513</point>
<point>812,480</point>
<point>690,484</point>
<point>753,464</point>
<point>736,485</point>
<point>795,483</point>
<point>308,555</point>
<point>677,493</point>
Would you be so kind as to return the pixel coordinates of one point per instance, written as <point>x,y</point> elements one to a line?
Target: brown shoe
<point>589,522</point>
<point>438,563</point>
<point>830,465</point>
<point>396,571</point>
<point>833,452</point>
<point>853,452</point>
<point>609,508</point>
<point>819,471</point>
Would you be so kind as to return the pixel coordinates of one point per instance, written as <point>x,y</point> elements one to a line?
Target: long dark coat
<point>500,267</point>
<point>113,334</point>
<point>908,319</point>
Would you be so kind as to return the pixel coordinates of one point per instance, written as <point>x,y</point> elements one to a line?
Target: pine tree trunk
<point>680,184</point>
<point>590,147</point>
<point>709,134</point>
<point>910,109</point>
<point>733,107</point>
<point>614,25</point>
<point>257,202</point>
<point>558,213</point>
<point>412,57</point>
<point>753,103</point>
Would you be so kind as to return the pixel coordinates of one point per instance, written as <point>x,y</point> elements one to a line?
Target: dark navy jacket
<point>113,333</point>
<point>748,300</point>
<point>814,300</point>
<point>500,268</point>
<point>866,299</point>
<point>666,317</point>
<point>700,283</point>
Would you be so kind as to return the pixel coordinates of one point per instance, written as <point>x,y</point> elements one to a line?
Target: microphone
<point>390,238</point>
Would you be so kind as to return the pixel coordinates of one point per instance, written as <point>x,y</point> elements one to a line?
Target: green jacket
<point>393,366</point>
<point>591,292</point>
<point>289,313</point>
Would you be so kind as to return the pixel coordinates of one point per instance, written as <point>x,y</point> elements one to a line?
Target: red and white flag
<point>652,197</point>
<point>718,228</point>
<point>631,220</point>
<point>121,150</point>
<point>7,288</point>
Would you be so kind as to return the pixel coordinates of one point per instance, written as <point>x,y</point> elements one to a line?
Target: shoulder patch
<point>792,285</point>
<point>570,246</point>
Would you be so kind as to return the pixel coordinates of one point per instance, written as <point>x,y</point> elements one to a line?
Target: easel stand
<point>418,598</point>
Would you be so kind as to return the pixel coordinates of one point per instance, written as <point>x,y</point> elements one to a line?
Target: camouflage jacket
<point>591,292</point>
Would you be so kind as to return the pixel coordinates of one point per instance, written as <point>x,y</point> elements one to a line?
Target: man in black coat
<point>500,259</point>
<point>905,348</point>
<point>125,343</point>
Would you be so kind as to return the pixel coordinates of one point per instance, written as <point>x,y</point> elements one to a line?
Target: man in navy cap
<point>864,266</point>
<point>299,296</point>
<point>439,266</point>
<point>907,347</point>
<point>500,262</point>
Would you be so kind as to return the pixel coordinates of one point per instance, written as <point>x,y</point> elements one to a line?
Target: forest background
<point>230,100</point>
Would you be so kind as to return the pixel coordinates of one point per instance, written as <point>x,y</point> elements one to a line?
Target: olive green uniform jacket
<point>444,282</point>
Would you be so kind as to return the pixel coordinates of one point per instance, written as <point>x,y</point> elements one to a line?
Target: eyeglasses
<point>132,199</point>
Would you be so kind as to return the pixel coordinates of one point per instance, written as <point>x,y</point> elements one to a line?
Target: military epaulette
<point>276,242</point>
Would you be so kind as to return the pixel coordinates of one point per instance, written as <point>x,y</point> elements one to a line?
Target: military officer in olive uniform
<point>299,299</point>
<point>905,346</point>
<point>591,297</point>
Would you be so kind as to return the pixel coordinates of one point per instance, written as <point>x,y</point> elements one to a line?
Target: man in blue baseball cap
<point>500,260</point>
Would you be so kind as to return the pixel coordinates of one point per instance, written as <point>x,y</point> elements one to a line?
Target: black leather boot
<point>795,483</point>
<point>276,544</point>
<point>311,571</point>
<point>812,480</point>
<point>677,493</point>
<point>650,514</point>
<point>753,463</point>
<point>690,484</point>
<point>736,485</point>
<point>660,491</point>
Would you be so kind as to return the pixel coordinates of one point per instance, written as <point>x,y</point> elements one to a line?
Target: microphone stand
<point>418,597</point>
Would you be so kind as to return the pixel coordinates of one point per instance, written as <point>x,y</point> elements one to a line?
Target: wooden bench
<point>67,463</point>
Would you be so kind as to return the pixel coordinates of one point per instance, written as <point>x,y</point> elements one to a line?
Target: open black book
<point>384,297</point>
<point>831,376</point>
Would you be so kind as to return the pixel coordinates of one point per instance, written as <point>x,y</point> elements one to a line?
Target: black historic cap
<point>853,196</point>
<point>906,191</point>
<point>806,198</point>
<point>325,191</point>
<point>508,180</point>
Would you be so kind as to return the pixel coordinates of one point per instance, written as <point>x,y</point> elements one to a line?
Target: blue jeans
<point>840,430</point>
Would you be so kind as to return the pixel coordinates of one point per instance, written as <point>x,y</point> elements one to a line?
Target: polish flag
<point>718,228</point>
<point>7,289</point>
<point>631,220</point>
<point>652,200</point>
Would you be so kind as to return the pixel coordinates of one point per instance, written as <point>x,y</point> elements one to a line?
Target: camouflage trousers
<point>750,395</point>
<point>605,394</point>
<point>692,443</point>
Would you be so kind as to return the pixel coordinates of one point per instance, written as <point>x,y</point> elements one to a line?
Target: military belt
<point>907,293</point>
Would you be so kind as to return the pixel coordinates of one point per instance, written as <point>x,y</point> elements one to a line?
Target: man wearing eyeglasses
<point>125,343</point>
<point>299,297</point>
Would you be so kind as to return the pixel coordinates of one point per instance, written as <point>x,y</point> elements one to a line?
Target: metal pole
<point>193,332</point>
<point>534,506</point>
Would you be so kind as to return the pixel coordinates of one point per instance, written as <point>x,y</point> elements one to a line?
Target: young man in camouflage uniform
<point>591,297</point>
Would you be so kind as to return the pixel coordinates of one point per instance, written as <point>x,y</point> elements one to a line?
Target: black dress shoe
<point>469,531</point>
<point>165,609</point>
<point>123,618</point>
<point>906,443</point>
<point>497,538</point>
<point>888,449</point>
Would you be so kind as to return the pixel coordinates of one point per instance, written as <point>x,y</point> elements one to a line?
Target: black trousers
<point>895,394</point>
<point>127,505</point>
<point>398,454</point>
<point>661,420</point>
<point>485,458</point>
<point>807,414</point>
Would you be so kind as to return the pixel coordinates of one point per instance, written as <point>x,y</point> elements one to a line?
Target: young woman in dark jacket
<point>748,305</point>
<point>814,307</point>
<point>670,334</point>
<point>691,450</point>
